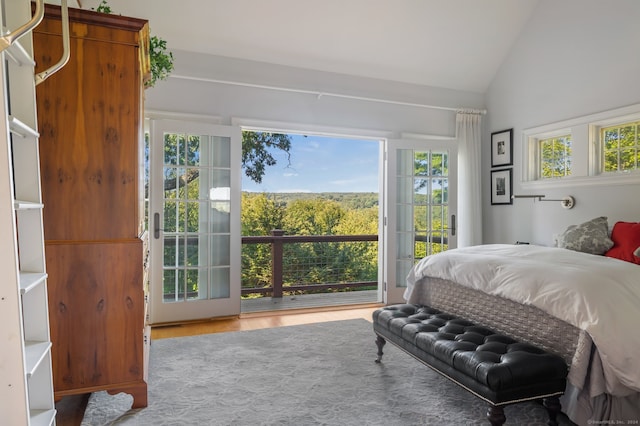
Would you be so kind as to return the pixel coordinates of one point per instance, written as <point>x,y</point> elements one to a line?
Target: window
<point>597,149</point>
<point>555,157</point>
<point>621,147</point>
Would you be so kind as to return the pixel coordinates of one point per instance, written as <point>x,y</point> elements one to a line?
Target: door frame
<point>340,132</point>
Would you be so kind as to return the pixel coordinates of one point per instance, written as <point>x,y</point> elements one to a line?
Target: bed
<point>582,306</point>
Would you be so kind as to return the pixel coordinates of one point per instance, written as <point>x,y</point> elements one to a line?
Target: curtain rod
<point>327,94</point>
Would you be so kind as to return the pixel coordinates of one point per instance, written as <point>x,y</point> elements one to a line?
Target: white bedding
<point>598,294</point>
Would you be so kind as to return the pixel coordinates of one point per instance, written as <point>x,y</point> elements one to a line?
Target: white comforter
<point>595,293</point>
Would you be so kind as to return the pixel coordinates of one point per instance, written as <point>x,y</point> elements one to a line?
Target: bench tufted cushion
<point>494,366</point>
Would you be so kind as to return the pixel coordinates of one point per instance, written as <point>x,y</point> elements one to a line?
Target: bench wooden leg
<point>495,414</point>
<point>380,342</point>
<point>553,408</point>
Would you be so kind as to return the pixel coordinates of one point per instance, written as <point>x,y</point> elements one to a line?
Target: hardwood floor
<point>71,408</point>
<point>259,320</point>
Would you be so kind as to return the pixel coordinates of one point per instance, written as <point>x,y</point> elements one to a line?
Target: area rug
<point>318,374</point>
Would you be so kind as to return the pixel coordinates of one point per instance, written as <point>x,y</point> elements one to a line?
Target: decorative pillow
<point>626,239</point>
<point>589,237</point>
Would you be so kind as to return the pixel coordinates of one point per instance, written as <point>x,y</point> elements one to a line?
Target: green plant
<point>103,7</point>
<point>161,60</point>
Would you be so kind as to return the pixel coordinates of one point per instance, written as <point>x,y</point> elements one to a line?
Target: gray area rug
<point>318,374</point>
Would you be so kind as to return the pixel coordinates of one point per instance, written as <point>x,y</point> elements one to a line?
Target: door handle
<point>156,225</point>
<point>453,225</point>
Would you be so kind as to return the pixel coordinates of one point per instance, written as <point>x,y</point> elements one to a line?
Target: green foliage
<point>347,200</point>
<point>312,217</point>
<point>181,208</point>
<point>181,215</point>
<point>308,263</point>
<point>621,147</point>
<point>555,157</point>
<point>260,214</point>
<point>322,214</point>
<point>103,7</point>
<point>161,60</point>
<point>362,257</point>
<point>431,164</point>
<point>314,263</point>
<point>255,152</point>
<point>428,165</point>
<point>358,222</point>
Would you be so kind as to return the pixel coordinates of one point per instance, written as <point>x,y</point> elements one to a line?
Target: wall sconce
<point>567,202</point>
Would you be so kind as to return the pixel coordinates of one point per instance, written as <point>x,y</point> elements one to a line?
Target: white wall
<point>178,94</point>
<point>574,58</point>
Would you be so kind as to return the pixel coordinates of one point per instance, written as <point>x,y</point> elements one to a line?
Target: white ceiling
<point>457,44</point>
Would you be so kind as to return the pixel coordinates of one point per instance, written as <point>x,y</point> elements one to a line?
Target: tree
<point>320,262</point>
<point>255,152</point>
<point>259,216</point>
<point>360,260</point>
<point>309,263</point>
<point>429,164</point>
<point>312,217</point>
<point>181,150</point>
<point>555,156</point>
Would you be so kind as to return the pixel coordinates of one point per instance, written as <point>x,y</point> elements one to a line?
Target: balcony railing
<point>292,271</point>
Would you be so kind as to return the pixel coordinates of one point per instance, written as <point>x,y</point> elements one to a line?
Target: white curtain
<point>469,135</point>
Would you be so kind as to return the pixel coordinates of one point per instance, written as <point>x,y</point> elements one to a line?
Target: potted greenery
<point>161,60</point>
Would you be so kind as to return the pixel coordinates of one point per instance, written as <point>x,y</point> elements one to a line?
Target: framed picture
<point>501,186</point>
<point>502,148</point>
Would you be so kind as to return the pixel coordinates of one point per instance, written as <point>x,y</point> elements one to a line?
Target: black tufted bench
<point>494,367</point>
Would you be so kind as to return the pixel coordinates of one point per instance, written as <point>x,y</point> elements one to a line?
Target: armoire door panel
<point>96,304</point>
<point>90,140</point>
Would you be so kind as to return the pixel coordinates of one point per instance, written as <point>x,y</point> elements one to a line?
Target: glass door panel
<point>420,203</point>
<point>197,231</point>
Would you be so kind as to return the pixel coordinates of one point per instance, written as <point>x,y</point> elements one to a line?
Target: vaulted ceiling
<point>457,44</point>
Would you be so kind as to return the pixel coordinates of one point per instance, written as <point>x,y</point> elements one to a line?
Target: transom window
<point>596,149</point>
<point>555,157</point>
<point>621,147</point>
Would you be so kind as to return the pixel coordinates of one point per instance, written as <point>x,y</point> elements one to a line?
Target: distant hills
<point>349,200</point>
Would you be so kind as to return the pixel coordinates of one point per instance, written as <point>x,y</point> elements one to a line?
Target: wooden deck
<point>306,301</point>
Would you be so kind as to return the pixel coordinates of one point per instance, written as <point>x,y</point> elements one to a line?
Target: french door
<point>194,220</point>
<point>420,206</point>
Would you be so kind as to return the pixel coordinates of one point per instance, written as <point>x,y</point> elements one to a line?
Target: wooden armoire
<point>90,118</point>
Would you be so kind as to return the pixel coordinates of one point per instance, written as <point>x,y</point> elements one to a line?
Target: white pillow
<point>637,252</point>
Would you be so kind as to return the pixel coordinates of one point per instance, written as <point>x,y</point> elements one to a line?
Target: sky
<point>321,164</point>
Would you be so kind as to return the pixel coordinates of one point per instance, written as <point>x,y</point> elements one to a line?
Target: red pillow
<point>626,239</point>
